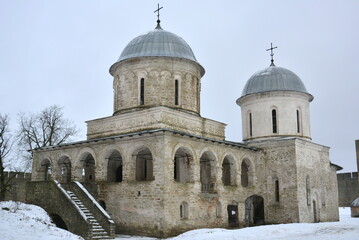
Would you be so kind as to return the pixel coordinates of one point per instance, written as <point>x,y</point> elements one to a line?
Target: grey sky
<point>59,52</point>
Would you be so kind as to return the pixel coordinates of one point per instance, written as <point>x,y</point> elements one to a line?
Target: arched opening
<point>183,166</point>
<point>207,172</point>
<point>244,174</point>
<point>274,121</point>
<point>144,165</point>
<point>250,125</point>
<point>142,91</point>
<point>58,221</point>
<point>114,167</point>
<point>46,169</point>
<point>65,169</point>
<point>298,121</point>
<point>254,211</point>
<point>184,210</point>
<point>228,171</point>
<point>176,92</point>
<point>88,170</point>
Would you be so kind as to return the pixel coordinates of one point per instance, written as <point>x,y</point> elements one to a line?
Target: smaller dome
<point>273,79</point>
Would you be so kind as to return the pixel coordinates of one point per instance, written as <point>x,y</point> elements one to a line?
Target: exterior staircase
<point>96,231</point>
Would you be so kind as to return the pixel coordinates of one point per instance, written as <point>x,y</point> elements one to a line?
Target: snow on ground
<point>347,228</point>
<point>19,221</point>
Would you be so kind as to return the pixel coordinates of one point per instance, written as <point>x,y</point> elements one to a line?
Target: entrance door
<point>254,211</point>
<point>233,216</point>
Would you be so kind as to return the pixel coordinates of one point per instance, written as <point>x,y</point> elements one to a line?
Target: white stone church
<point>159,168</point>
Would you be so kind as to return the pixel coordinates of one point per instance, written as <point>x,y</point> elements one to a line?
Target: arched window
<point>65,168</point>
<point>244,174</point>
<point>184,210</point>
<point>276,191</point>
<point>298,121</point>
<point>207,172</point>
<point>250,125</point>
<point>142,91</point>
<point>176,92</point>
<point>114,167</point>
<point>274,121</point>
<point>88,170</point>
<point>307,185</point>
<point>46,169</point>
<point>144,165</point>
<point>183,169</point>
<point>226,172</point>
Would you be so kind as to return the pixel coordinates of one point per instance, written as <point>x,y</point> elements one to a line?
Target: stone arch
<point>58,221</point>
<point>247,172</point>
<point>115,167</point>
<point>183,165</point>
<point>208,171</point>
<point>87,166</point>
<point>45,169</point>
<point>254,210</point>
<point>144,164</point>
<point>229,171</point>
<point>65,169</point>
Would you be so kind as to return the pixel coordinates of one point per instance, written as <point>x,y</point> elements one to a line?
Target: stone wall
<point>348,188</point>
<point>17,191</point>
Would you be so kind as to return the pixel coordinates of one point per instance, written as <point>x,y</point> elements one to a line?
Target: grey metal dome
<point>273,79</point>
<point>157,43</point>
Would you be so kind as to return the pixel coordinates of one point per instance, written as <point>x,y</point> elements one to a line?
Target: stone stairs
<point>97,231</point>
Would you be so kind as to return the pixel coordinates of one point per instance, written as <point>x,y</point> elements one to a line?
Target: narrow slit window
<point>274,121</point>
<point>276,190</point>
<point>250,125</point>
<point>298,122</point>
<point>142,92</point>
<point>176,92</point>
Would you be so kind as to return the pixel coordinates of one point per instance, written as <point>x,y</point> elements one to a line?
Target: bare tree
<point>47,128</point>
<point>5,148</point>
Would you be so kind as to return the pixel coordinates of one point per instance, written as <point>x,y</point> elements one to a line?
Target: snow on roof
<point>355,203</point>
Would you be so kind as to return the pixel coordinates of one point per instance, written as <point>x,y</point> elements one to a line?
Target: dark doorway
<point>233,215</point>
<point>254,211</point>
<point>58,221</point>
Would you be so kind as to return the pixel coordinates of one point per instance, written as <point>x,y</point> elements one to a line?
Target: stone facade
<point>161,169</point>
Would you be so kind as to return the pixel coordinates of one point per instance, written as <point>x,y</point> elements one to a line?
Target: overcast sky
<point>59,52</point>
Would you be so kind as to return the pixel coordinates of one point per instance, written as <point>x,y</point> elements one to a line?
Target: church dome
<point>157,43</point>
<point>273,79</point>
